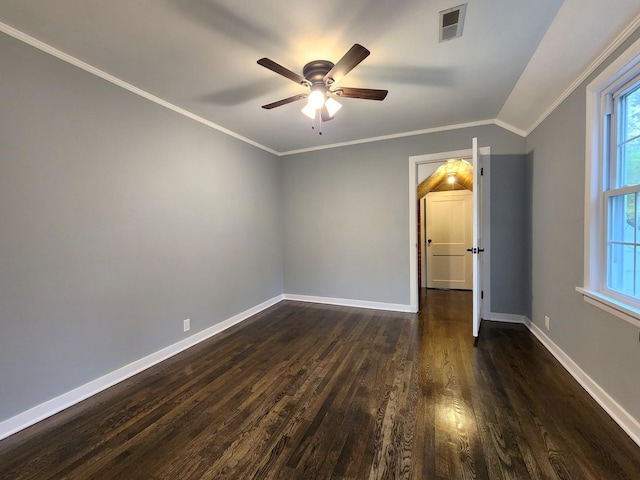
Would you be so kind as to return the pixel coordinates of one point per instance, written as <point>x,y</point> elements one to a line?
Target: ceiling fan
<point>321,76</point>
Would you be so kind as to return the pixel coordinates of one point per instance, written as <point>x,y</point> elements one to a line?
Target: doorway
<point>481,285</point>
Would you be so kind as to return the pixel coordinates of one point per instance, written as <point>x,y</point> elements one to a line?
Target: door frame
<point>414,161</point>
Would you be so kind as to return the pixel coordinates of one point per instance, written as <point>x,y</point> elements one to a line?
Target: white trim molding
<point>444,128</point>
<point>346,302</point>
<point>627,422</point>
<point>619,40</point>
<point>618,72</point>
<point>612,306</point>
<point>34,42</point>
<point>40,45</point>
<point>414,161</point>
<point>51,407</point>
<point>506,318</point>
<point>621,70</point>
<point>624,419</point>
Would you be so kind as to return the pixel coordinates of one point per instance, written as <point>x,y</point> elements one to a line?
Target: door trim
<point>416,160</point>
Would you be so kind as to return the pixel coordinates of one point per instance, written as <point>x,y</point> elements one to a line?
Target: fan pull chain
<point>313,126</point>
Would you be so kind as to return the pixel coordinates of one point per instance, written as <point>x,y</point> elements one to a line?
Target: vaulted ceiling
<point>514,60</point>
<point>451,175</point>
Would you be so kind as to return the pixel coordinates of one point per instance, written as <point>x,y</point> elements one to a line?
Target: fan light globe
<point>309,111</point>
<point>316,99</point>
<point>332,106</point>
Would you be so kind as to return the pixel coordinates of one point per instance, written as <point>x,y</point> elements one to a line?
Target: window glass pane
<point>621,268</point>
<point>622,241</point>
<point>636,292</point>
<point>622,218</point>
<point>629,147</point>
<point>629,154</point>
<point>631,115</point>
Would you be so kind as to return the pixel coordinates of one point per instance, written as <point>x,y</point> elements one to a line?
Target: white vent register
<point>451,22</point>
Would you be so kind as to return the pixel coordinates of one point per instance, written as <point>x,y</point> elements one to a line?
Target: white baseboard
<point>505,317</point>
<point>25,419</point>
<point>345,302</point>
<point>628,423</point>
<point>57,404</point>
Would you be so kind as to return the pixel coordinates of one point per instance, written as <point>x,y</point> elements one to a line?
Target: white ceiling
<point>515,59</point>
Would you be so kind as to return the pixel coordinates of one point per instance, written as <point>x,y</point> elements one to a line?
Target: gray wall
<point>528,235</point>
<point>346,214</point>
<point>605,347</point>
<point>509,235</point>
<point>118,219</point>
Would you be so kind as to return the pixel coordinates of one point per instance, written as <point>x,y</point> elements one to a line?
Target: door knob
<point>429,241</point>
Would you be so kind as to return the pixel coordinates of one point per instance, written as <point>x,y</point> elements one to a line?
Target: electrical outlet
<point>546,322</point>
<point>186,324</point>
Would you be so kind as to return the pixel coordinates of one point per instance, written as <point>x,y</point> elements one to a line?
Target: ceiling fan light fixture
<point>318,76</point>
<point>332,106</point>
<point>310,111</point>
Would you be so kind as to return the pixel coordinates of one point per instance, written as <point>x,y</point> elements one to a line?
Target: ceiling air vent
<point>451,22</point>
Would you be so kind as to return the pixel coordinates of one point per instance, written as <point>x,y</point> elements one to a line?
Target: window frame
<point>614,186</point>
<point>599,116</point>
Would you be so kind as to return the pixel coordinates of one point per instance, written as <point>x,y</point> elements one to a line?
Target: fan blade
<point>285,72</point>
<point>324,114</point>
<point>365,93</point>
<point>284,101</point>
<point>351,59</point>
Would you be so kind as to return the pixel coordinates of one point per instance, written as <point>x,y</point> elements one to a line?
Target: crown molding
<point>509,127</point>
<point>617,42</point>
<point>34,42</point>
<point>444,128</point>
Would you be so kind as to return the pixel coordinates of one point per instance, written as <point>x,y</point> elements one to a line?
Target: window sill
<point>614,307</point>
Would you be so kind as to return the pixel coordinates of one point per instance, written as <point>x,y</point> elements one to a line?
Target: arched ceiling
<point>438,181</point>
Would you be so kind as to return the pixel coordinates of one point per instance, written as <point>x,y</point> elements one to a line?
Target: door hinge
<point>481,294</point>
<point>481,171</point>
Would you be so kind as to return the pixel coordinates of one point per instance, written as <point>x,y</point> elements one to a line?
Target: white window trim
<point>618,73</point>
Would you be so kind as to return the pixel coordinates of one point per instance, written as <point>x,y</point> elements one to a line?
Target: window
<point>621,193</point>
<point>612,200</point>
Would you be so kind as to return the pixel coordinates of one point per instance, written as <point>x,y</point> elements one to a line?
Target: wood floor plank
<point>306,391</point>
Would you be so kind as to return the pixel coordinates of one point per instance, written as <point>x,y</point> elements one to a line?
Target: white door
<point>477,241</point>
<point>448,236</point>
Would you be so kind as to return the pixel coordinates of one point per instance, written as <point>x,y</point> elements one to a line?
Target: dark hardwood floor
<point>309,391</point>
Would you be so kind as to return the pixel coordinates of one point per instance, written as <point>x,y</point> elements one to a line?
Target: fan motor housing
<point>316,70</point>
